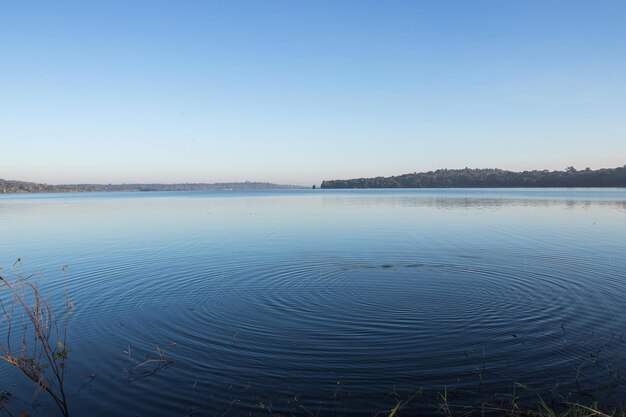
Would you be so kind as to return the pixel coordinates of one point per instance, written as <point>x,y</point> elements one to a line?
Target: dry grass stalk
<point>35,339</point>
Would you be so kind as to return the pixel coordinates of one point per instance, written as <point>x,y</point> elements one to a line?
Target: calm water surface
<point>327,302</point>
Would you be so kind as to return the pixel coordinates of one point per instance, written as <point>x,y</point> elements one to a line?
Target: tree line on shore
<point>491,178</point>
<point>11,186</point>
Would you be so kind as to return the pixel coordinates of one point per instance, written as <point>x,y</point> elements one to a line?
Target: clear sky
<point>301,91</point>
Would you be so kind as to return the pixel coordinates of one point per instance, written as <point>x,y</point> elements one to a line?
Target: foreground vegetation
<point>491,178</point>
<point>35,342</point>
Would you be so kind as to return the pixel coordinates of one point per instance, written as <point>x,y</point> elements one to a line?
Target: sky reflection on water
<point>334,297</point>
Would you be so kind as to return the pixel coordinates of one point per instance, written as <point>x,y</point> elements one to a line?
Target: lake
<point>326,302</point>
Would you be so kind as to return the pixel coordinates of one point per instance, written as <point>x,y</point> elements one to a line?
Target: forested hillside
<point>10,186</point>
<point>491,178</point>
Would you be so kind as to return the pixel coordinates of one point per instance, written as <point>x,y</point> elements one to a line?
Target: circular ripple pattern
<point>337,332</point>
<point>372,298</point>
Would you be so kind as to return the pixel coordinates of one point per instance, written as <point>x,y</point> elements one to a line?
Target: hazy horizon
<point>297,93</point>
<point>288,183</point>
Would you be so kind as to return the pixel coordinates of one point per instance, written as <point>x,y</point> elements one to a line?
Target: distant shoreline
<point>19,187</point>
<point>491,178</point>
<point>441,178</point>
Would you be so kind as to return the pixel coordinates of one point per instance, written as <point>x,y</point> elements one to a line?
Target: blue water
<point>326,302</point>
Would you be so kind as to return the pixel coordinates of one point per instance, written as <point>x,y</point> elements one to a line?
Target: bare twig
<point>147,367</point>
<point>42,351</point>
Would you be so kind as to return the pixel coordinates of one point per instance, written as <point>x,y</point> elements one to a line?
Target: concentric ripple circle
<point>331,304</point>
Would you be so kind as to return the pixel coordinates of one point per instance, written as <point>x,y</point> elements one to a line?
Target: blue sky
<point>301,91</point>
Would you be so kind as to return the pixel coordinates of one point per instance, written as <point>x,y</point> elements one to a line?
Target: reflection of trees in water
<point>450,202</point>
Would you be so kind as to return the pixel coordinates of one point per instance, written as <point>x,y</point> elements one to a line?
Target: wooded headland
<point>491,178</point>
